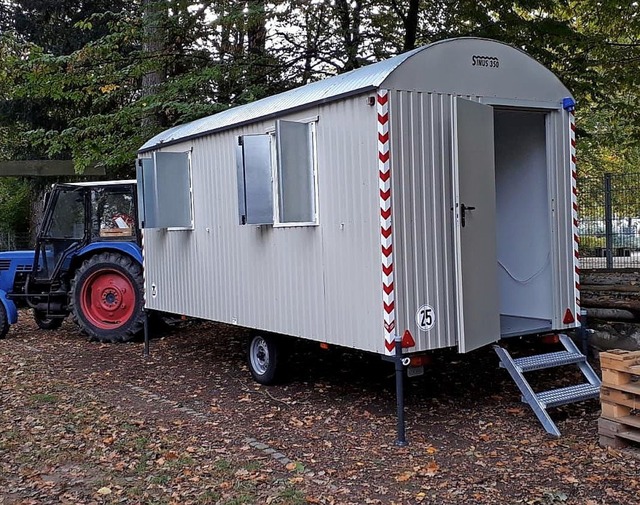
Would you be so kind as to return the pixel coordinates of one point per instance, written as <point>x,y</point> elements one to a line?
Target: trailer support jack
<point>401,439</point>
<point>145,353</point>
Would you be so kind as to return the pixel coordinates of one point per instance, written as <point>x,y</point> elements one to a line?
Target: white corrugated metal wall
<point>421,162</point>
<point>558,142</point>
<point>421,170</point>
<point>253,275</point>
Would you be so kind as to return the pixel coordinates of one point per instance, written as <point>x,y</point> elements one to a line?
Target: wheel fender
<point>10,307</point>
<point>128,248</point>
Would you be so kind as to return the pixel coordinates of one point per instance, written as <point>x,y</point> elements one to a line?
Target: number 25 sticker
<point>425,317</point>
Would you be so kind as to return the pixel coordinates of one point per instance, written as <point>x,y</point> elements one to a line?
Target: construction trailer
<point>430,196</point>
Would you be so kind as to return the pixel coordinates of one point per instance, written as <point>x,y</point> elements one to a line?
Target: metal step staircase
<point>540,402</point>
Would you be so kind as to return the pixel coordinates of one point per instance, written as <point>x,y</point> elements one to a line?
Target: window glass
<point>113,212</point>
<point>296,172</point>
<point>64,229</point>
<point>67,220</point>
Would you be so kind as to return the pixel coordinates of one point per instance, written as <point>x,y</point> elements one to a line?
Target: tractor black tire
<point>4,322</point>
<point>106,297</point>
<point>263,356</point>
<point>46,323</point>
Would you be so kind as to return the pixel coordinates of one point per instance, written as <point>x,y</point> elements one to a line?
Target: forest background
<point>92,80</point>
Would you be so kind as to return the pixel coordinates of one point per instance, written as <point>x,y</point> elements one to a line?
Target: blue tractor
<point>87,263</point>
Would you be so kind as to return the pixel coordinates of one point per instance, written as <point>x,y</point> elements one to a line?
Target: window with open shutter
<point>164,191</point>
<point>277,175</point>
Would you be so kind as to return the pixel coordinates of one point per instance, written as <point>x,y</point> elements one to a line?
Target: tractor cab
<point>77,215</point>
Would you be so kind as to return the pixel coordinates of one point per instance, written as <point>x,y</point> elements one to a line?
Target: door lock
<point>463,211</point>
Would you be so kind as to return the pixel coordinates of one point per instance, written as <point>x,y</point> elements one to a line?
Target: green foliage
<point>609,125</point>
<point>95,81</point>
<point>15,195</point>
<point>591,243</point>
<point>97,104</point>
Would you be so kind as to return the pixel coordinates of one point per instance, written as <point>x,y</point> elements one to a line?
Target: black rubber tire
<point>263,356</point>
<point>124,266</point>
<point>46,323</point>
<point>4,322</point>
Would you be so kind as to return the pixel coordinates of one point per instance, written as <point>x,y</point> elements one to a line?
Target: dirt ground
<point>83,422</point>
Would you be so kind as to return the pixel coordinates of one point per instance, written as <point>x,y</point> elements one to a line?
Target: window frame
<point>312,122</point>
<point>191,205</point>
<point>143,199</point>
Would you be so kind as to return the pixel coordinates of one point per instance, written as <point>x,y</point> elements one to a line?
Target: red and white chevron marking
<point>574,211</point>
<point>386,229</point>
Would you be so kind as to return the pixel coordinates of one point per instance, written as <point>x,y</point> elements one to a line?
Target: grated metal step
<point>548,360</point>
<point>540,402</point>
<point>570,394</point>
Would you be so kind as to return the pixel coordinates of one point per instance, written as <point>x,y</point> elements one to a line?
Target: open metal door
<point>476,269</point>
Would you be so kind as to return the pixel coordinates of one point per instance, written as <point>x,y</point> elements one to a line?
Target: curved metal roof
<point>349,83</point>
<point>442,55</point>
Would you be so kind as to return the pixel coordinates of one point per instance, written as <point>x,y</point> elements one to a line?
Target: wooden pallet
<point>618,435</point>
<point>619,425</point>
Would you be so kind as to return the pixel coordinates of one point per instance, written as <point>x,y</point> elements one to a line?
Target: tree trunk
<point>410,23</point>
<point>349,21</point>
<point>256,29</point>
<point>256,43</point>
<point>231,49</point>
<point>153,17</point>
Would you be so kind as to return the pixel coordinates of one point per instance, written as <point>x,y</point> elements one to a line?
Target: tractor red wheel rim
<point>108,299</point>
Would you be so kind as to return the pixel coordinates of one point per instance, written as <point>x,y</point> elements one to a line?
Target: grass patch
<point>252,466</point>
<point>43,398</point>
<point>244,494</point>
<point>181,462</point>
<point>208,497</point>
<point>290,496</point>
<point>160,480</point>
<point>242,499</point>
<point>224,466</point>
<point>141,443</point>
<point>142,465</point>
<point>9,439</point>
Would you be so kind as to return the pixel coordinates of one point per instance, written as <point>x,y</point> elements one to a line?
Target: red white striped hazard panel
<point>386,229</point>
<point>574,210</point>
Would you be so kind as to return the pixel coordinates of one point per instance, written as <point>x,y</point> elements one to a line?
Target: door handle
<point>463,212</point>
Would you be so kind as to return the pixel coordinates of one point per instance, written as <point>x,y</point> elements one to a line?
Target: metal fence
<point>12,241</point>
<point>609,221</point>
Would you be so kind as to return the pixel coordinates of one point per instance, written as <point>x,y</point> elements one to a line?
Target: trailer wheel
<point>106,300</point>
<point>4,322</point>
<point>263,358</point>
<point>46,323</point>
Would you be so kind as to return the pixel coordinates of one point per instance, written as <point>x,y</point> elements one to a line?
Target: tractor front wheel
<point>106,297</point>
<point>46,323</point>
